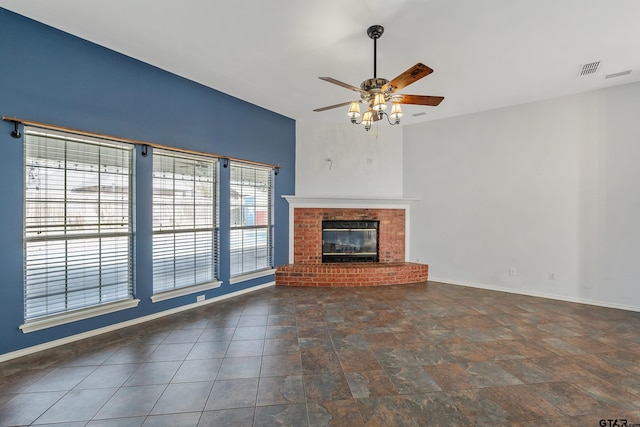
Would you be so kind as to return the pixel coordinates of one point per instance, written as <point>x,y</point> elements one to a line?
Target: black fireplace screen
<point>350,241</point>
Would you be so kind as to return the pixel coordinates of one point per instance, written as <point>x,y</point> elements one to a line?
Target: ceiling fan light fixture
<point>367,119</point>
<point>379,103</point>
<point>396,112</point>
<point>354,110</point>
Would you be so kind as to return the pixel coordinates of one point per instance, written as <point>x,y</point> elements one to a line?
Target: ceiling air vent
<point>620,74</point>
<point>589,68</point>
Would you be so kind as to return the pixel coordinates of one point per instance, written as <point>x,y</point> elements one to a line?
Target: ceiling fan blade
<point>413,74</point>
<point>333,106</point>
<point>339,83</point>
<point>432,101</point>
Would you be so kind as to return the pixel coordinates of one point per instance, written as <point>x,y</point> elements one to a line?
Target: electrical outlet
<point>512,271</point>
<point>200,298</point>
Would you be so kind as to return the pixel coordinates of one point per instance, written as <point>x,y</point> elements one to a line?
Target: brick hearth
<point>351,274</point>
<point>308,270</point>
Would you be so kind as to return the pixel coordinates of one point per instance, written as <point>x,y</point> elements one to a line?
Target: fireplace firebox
<point>350,241</point>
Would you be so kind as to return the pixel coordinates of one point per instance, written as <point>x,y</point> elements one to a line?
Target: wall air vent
<point>419,114</point>
<point>621,73</point>
<point>589,68</point>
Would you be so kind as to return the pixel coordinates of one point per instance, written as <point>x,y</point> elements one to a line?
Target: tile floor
<point>426,354</point>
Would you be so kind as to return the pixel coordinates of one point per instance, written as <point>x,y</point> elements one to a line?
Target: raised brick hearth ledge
<point>351,274</point>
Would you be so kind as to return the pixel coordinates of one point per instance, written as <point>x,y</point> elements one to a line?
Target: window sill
<point>253,275</point>
<point>162,296</point>
<point>74,316</point>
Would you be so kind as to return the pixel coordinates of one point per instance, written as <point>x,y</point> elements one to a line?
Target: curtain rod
<point>16,134</point>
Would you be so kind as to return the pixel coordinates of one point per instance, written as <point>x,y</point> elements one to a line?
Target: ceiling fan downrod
<point>375,32</point>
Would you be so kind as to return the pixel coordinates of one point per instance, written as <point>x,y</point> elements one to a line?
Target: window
<point>251,218</point>
<point>184,220</point>
<point>77,232</point>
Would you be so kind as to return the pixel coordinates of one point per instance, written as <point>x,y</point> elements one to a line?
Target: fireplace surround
<point>305,268</point>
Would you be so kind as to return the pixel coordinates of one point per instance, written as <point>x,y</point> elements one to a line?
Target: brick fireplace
<point>306,267</point>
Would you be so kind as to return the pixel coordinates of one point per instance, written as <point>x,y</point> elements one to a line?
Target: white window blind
<point>251,218</point>
<point>185,233</point>
<point>77,232</point>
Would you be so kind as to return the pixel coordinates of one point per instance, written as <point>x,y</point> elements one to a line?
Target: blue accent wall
<point>49,76</point>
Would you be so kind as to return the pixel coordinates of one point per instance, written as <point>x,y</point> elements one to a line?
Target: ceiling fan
<point>376,92</point>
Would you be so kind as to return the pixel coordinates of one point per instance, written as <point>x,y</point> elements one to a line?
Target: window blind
<point>251,218</point>
<point>185,231</point>
<point>77,231</point>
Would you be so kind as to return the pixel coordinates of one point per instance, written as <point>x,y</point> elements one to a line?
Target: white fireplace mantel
<point>351,202</point>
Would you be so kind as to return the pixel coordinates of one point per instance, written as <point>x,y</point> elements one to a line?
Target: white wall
<point>345,160</point>
<point>547,187</point>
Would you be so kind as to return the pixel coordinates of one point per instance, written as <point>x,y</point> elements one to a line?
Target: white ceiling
<point>486,54</point>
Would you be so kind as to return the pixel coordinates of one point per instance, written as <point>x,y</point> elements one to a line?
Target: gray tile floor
<point>426,354</point>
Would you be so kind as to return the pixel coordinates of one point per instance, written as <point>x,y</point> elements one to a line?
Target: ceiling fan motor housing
<point>373,86</point>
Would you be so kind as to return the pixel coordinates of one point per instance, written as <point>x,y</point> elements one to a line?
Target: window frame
<point>263,270</point>
<point>212,275</point>
<point>69,230</point>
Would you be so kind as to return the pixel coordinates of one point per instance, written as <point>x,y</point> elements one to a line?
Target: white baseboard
<point>132,322</point>
<point>538,294</point>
